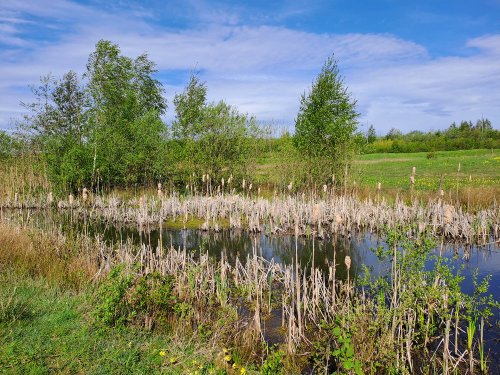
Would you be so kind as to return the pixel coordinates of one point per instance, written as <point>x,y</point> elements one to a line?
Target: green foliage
<point>56,123</point>
<point>345,352</point>
<point>273,365</point>
<point>463,137</point>
<point>127,134</point>
<point>125,298</point>
<point>371,135</point>
<point>326,124</point>
<point>213,138</point>
<point>6,145</point>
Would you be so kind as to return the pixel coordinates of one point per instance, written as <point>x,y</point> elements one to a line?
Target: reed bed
<point>322,216</point>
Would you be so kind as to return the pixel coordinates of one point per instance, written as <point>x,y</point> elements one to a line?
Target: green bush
<point>126,298</point>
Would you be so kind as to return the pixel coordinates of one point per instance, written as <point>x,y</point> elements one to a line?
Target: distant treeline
<point>465,136</point>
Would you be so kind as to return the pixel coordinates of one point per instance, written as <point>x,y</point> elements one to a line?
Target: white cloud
<point>261,69</point>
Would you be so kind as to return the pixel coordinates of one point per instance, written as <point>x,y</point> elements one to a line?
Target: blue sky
<point>413,65</point>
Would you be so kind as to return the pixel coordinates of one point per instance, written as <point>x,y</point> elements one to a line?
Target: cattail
<point>448,211</point>
<point>338,219</point>
<point>203,178</point>
<point>325,188</point>
<point>347,262</point>
<point>243,184</point>
<point>50,198</point>
<point>379,186</point>
<point>413,170</point>
<point>333,179</point>
<point>258,191</point>
<point>71,199</point>
<point>16,197</point>
<point>458,168</point>
<point>85,194</point>
<point>290,185</point>
<point>222,181</point>
<point>316,213</point>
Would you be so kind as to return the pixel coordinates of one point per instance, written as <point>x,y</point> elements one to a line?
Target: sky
<point>410,65</point>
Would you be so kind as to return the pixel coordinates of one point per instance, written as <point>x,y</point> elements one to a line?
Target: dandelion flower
<point>243,371</point>
<point>227,358</point>
<point>162,353</point>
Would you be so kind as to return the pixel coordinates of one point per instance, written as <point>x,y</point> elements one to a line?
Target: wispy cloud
<point>261,68</point>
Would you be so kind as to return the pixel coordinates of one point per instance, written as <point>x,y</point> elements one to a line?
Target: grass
<point>482,167</point>
<point>51,333</point>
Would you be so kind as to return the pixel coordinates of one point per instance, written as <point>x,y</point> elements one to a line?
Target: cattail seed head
<point>347,262</point>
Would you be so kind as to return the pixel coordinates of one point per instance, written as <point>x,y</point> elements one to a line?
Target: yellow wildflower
<point>162,353</point>
<point>227,358</point>
<point>243,371</point>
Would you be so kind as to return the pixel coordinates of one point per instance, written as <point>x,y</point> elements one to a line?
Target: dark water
<point>232,244</point>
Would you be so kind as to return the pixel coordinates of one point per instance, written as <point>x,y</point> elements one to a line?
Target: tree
<point>6,145</point>
<point>326,124</point>
<point>189,108</point>
<point>210,138</point>
<point>371,135</point>
<point>127,104</point>
<point>56,123</point>
<point>394,134</point>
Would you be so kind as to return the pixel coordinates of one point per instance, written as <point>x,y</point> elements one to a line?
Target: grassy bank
<point>51,317</point>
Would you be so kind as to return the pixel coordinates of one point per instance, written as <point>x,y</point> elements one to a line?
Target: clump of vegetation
<point>325,127</point>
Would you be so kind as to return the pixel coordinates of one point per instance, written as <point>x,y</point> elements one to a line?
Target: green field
<point>478,168</point>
